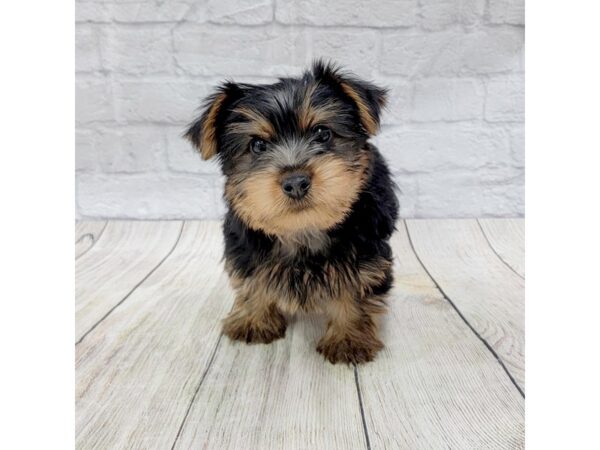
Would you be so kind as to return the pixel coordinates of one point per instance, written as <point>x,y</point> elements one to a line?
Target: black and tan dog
<point>311,206</point>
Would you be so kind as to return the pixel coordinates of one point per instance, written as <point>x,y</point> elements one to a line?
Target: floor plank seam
<point>361,407</point>
<point>202,378</point>
<point>464,319</point>
<point>93,240</point>
<point>134,287</point>
<point>496,253</point>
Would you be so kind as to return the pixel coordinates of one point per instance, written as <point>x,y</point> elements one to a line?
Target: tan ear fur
<point>366,118</point>
<point>208,141</point>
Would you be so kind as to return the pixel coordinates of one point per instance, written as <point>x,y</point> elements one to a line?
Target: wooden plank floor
<point>154,372</point>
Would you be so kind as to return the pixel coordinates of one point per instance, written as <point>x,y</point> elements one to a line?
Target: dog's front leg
<point>254,318</point>
<point>351,335</point>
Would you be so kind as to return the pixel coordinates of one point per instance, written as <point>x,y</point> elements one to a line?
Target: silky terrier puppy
<point>311,206</point>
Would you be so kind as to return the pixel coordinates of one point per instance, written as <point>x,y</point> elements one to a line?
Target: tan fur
<point>318,115</point>
<point>312,239</point>
<point>208,143</point>
<point>257,125</point>
<point>269,282</point>
<point>235,280</point>
<point>255,318</point>
<point>264,288</point>
<point>304,115</point>
<point>310,115</point>
<point>335,186</point>
<point>351,335</point>
<point>372,274</point>
<point>366,118</point>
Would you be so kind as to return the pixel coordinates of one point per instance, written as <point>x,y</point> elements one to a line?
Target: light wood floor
<point>154,372</point>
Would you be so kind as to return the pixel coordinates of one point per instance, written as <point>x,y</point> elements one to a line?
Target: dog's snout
<point>296,185</point>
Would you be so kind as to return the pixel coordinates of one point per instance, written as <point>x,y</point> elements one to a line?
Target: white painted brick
<point>399,102</point>
<point>493,50</point>
<point>252,79</point>
<point>155,11</point>
<point>93,100</point>
<point>381,13</point>
<point>448,99</point>
<point>438,14</point>
<point>144,67</point>
<point>355,49</point>
<point>135,11</point>
<point>517,146</point>
<point>87,49</point>
<point>412,53</point>
<point>174,101</point>
<point>125,149</point>
<point>507,11</point>
<point>443,147</point>
<point>505,99</point>
<point>231,52</point>
<point>137,50</point>
<point>85,157</point>
<point>147,196</point>
<point>91,12</point>
<point>183,157</point>
<point>248,12</point>
<point>221,207</point>
<point>483,193</point>
<point>408,194</point>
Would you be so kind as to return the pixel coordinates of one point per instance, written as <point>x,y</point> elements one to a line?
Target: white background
<point>453,133</point>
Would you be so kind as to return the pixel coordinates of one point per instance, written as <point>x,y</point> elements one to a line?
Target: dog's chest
<point>302,273</point>
<point>306,241</point>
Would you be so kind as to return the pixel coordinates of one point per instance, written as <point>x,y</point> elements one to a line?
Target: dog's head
<point>294,153</point>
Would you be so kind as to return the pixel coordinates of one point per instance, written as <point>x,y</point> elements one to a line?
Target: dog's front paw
<point>264,331</point>
<point>349,350</point>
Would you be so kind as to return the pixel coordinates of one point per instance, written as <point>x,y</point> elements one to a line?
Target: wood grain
<point>277,396</point>
<point>126,253</point>
<point>87,234</point>
<point>435,385</point>
<point>488,293</point>
<point>507,238</point>
<point>156,372</point>
<point>137,371</point>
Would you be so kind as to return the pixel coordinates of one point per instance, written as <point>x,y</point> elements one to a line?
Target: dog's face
<point>294,152</point>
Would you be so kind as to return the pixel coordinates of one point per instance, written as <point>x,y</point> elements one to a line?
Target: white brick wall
<point>453,132</point>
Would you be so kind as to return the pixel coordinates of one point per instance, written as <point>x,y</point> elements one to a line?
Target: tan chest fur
<point>309,240</point>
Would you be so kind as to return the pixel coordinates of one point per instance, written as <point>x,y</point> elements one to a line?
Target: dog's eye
<point>322,134</point>
<point>258,146</point>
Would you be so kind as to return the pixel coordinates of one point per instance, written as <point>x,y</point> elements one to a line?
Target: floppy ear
<point>202,133</point>
<point>368,98</point>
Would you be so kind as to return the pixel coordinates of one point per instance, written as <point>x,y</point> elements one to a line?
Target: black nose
<point>296,186</point>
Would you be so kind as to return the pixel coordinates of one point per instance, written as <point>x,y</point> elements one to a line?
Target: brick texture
<point>452,132</point>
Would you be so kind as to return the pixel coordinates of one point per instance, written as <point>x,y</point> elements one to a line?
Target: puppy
<point>311,206</point>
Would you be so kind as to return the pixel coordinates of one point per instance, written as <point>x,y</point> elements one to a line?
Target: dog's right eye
<point>258,146</point>
<point>322,134</point>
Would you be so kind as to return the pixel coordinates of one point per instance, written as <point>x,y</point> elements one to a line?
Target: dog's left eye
<point>258,146</point>
<point>322,134</point>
